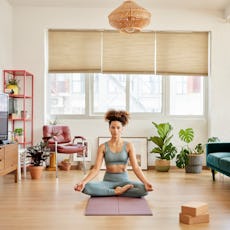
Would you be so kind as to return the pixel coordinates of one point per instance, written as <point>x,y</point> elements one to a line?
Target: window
<point>145,94</point>
<point>136,93</point>
<point>109,92</point>
<point>186,95</point>
<point>139,94</point>
<point>66,94</point>
<point>110,73</point>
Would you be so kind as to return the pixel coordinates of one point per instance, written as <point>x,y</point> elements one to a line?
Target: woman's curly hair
<point>113,115</point>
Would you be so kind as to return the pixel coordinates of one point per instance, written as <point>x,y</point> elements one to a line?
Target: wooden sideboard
<point>9,159</point>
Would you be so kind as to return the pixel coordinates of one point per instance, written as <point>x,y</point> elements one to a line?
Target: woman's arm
<point>94,171</point>
<point>137,170</point>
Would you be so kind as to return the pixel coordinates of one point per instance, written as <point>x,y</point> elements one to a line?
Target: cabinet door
<point>2,161</point>
<point>11,156</point>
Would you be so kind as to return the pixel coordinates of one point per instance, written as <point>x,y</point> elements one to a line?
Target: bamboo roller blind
<point>114,52</point>
<point>182,53</point>
<point>74,51</point>
<point>128,53</point>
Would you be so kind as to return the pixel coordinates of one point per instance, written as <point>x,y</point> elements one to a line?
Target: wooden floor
<point>51,203</point>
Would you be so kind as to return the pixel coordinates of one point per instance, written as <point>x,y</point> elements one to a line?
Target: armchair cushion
<point>71,148</point>
<point>215,158</point>
<point>58,133</point>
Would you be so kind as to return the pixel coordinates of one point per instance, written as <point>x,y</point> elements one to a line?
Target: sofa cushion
<point>214,158</point>
<point>225,164</point>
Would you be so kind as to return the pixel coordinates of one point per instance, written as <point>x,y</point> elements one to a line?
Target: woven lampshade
<point>129,17</point>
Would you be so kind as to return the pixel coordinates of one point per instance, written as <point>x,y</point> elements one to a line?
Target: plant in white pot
<point>38,155</point>
<point>189,158</point>
<point>164,148</point>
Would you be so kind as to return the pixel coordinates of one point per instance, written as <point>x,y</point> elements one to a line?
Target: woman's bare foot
<point>120,190</point>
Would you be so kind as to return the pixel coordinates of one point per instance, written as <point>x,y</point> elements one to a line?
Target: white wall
<point>30,25</point>
<point>5,37</point>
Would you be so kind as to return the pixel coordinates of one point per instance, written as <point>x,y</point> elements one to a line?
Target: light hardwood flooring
<point>51,203</point>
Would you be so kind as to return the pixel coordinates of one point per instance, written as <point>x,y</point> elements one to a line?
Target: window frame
<point>89,98</point>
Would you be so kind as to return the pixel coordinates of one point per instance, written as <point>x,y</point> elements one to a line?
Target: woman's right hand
<point>79,187</point>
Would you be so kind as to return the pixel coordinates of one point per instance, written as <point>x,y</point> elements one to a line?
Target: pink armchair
<point>59,141</point>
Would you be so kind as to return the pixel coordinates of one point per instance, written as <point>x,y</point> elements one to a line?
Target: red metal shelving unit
<point>25,101</point>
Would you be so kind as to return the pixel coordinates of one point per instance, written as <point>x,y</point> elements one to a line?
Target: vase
<point>13,87</point>
<point>24,114</point>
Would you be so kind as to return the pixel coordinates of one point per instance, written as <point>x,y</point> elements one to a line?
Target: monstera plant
<point>189,158</point>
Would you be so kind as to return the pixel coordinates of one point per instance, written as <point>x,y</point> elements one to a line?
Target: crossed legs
<point>115,185</point>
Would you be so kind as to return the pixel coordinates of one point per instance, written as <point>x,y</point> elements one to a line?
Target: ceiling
<point>219,5</point>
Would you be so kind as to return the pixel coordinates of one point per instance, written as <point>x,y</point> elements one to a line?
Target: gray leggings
<point>110,182</point>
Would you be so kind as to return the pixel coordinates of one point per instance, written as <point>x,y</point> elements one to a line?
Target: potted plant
<point>65,164</point>
<point>18,134</point>
<point>38,154</point>
<point>13,85</point>
<point>189,158</point>
<point>164,148</point>
<point>213,139</point>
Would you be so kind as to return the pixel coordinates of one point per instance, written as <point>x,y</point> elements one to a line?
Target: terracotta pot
<point>65,166</point>
<point>162,165</point>
<point>23,114</point>
<point>36,171</point>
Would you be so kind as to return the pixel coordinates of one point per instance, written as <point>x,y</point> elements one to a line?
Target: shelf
<point>20,119</point>
<point>19,72</point>
<point>19,96</point>
<point>22,102</point>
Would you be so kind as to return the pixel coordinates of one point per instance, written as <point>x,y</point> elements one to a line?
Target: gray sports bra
<point>116,158</point>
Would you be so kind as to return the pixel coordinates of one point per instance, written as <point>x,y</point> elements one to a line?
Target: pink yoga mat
<point>117,206</point>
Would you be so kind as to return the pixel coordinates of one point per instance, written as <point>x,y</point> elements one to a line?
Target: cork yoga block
<point>187,219</point>
<point>194,209</point>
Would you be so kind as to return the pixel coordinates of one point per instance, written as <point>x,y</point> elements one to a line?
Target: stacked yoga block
<point>194,213</point>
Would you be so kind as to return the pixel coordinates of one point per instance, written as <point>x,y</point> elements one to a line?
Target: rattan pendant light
<point>129,17</point>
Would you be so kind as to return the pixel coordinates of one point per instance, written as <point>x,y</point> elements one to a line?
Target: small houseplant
<point>65,164</point>
<point>189,158</point>
<point>164,148</point>
<point>12,84</point>
<point>38,154</point>
<point>213,139</point>
<point>18,134</point>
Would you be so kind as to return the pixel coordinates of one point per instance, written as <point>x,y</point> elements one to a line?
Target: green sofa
<point>218,158</point>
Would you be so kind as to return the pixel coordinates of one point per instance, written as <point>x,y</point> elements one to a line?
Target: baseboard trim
<point>152,167</point>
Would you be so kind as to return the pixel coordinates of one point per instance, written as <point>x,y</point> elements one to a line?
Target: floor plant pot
<point>194,164</point>
<point>66,166</point>
<point>162,165</point>
<point>36,171</point>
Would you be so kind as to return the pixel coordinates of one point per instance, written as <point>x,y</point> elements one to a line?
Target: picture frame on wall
<point>140,147</point>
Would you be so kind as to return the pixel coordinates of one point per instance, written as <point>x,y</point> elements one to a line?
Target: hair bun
<point>114,115</point>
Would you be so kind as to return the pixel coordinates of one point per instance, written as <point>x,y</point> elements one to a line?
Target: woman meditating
<point>116,153</point>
